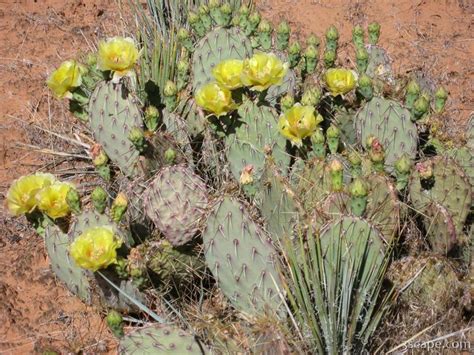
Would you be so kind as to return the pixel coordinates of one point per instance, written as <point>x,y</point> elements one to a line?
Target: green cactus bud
<point>170,156</point>
<point>115,323</point>
<point>120,267</point>
<point>358,36</point>
<point>183,74</point>
<point>358,190</point>
<point>441,96</point>
<point>294,54</point>
<point>196,24</point>
<point>103,171</point>
<point>185,39</point>
<point>73,201</point>
<point>244,10</point>
<point>99,157</point>
<point>311,97</point>
<point>91,59</point>
<point>118,208</point>
<point>283,36</point>
<point>376,154</point>
<point>151,118</point>
<point>214,4</point>
<point>205,17</point>
<point>311,55</point>
<point>374,33</point>
<point>365,87</point>
<point>329,58</point>
<point>362,60</point>
<point>402,171</point>
<point>317,142</point>
<point>356,163</point>
<point>333,133</point>
<point>99,199</point>
<point>137,137</point>
<point>413,91</point>
<point>252,23</point>
<point>287,102</point>
<point>265,34</point>
<point>336,172</point>
<point>313,40</point>
<point>243,18</point>
<point>226,12</point>
<point>332,36</point>
<point>420,107</point>
<point>170,95</point>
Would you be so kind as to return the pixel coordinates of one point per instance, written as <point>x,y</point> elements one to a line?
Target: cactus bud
<point>115,323</point>
<point>170,156</point>
<point>425,170</point>
<point>99,158</point>
<point>151,118</point>
<point>73,200</point>
<point>103,171</point>
<point>283,36</point>
<point>358,36</point>
<point>333,135</point>
<point>252,23</point>
<point>413,91</point>
<point>137,137</point>
<point>311,97</point>
<point>294,54</point>
<point>402,171</point>
<point>362,60</point>
<point>91,59</point>
<point>313,40</point>
<point>358,190</point>
<point>356,163</point>
<point>226,12</point>
<point>205,17</point>
<point>118,208</point>
<point>317,141</point>
<point>332,36</point>
<point>265,34</point>
<point>287,102</point>
<point>311,55</point>
<point>185,39</point>
<point>336,171</point>
<point>99,199</point>
<point>196,24</point>
<point>170,95</point>
<point>365,87</point>
<point>214,4</point>
<point>441,96</point>
<point>420,107</point>
<point>243,17</point>
<point>376,154</point>
<point>244,10</point>
<point>329,58</point>
<point>183,73</point>
<point>246,177</point>
<point>374,33</point>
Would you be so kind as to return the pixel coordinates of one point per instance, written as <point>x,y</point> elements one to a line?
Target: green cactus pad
<point>242,259</point>
<point>288,85</point>
<point>218,45</point>
<point>176,202</point>
<point>335,206</point>
<point>388,121</point>
<point>451,189</point>
<point>113,112</point>
<point>440,229</point>
<point>160,339</point>
<point>75,278</point>
<point>258,131</point>
<point>344,120</point>
<point>379,63</point>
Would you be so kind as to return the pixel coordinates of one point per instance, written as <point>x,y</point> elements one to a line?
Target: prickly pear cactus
<point>440,228</point>
<point>257,134</point>
<point>449,186</point>
<point>75,278</point>
<point>333,207</point>
<point>242,259</point>
<point>379,65</point>
<point>176,202</point>
<point>160,339</point>
<point>344,120</point>
<point>218,45</point>
<point>113,112</point>
<point>288,85</point>
<point>388,121</point>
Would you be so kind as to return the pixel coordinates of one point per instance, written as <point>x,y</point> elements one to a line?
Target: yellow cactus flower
<point>262,71</point>
<point>340,81</point>
<point>96,248</point>
<point>216,99</point>
<point>298,123</point>
<point>52,200</point>
<point>21,197</point>
<point>228,73</point>
<point>67,77</point>
<point>117,54</point>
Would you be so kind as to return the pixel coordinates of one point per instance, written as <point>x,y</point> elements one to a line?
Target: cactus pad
<point>113,112</point>
<point>176,201</point>
<point>75,278</point>
<point>379,65</point>
<point>388,121</point>
<point>218,45</point>
<point>242,259</point>
<point>159,339</point>
<point>257,133</point>
<point>288,85</point>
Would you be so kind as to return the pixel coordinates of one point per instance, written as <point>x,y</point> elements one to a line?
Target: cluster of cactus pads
<point>234,193</point>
